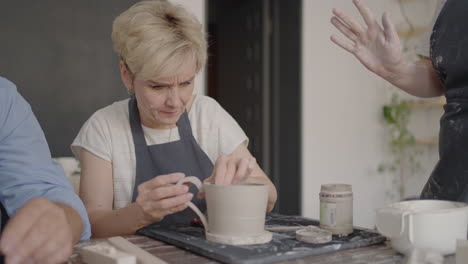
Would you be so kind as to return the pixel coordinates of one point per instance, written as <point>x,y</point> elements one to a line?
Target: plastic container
<point>424,224</point>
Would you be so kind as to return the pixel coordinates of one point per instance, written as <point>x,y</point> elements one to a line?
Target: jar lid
<point>332,188</point>
<point>313,235</point>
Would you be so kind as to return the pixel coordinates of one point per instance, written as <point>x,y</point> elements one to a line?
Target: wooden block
<point>104,253</point>
<point>283,228</point>
<point>462,252</point>
<point>143,257</point>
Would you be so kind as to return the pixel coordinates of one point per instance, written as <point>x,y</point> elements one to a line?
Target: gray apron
<point>184,155</point>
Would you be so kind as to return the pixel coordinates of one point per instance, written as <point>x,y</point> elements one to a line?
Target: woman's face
<point>161,102</point>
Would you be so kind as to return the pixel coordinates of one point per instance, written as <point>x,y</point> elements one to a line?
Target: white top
<point>424,44</point>
<point>107,134</point>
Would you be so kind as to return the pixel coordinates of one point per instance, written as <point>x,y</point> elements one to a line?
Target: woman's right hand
<point>160,196</point>
<point>377,48</point>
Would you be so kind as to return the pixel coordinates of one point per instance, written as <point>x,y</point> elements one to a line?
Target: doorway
<point>254,72</point>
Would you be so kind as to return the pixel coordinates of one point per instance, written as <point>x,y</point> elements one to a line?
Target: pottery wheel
<point>313,235</point>
<point>265,237</point>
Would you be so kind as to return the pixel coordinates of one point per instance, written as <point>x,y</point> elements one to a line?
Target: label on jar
<point>328,214</point>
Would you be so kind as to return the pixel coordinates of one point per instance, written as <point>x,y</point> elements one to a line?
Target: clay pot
<point>236,213</point>
<point>424,224</point>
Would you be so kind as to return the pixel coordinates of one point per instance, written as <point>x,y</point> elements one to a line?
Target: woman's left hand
<point>229,169</point>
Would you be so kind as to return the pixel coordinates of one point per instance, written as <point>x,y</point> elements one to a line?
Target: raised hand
<point>377,48</point>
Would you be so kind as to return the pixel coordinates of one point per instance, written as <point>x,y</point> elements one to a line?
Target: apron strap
<point>142,154</point>
<point>137,131</point>
<point>184,127</point>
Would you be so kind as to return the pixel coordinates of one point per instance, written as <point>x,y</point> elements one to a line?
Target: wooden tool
<point>283,228</point>
<point>104,253</point>
<point>143,257</point>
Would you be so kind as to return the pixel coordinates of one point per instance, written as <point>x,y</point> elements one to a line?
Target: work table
<point>378,254</point>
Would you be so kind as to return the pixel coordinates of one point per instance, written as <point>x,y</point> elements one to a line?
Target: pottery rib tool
<point>104,253</point>
<point>143,256</point>
<point>313,235</point>
<point>283,228</point>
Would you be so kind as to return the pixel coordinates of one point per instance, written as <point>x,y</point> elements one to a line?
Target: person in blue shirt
<point>46,216</point>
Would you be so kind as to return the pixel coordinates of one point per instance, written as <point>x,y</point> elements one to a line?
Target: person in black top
<point>378,48</point>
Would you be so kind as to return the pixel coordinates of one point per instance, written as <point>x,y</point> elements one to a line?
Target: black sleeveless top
<point>449,55</point>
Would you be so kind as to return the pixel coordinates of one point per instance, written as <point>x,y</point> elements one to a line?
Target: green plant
<point>402,143</point>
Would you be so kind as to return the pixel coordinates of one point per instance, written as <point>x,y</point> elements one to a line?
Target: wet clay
<point>235,213</point>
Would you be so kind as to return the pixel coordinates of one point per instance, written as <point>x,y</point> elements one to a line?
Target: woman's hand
<point>241,166</point>
<point>377,48</point>
<point>230,169</point>
<point>160,197</point>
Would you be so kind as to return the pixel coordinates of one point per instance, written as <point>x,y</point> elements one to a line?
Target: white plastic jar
<point>336,208</point>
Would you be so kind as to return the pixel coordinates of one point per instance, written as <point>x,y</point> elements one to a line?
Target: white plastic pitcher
<point>424,224</point>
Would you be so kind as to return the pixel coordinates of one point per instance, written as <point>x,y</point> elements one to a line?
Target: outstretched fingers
<point>344,29</point>
<point>365,12</point>
<point>352,24</point>
<point>389,28</point>
<point>343,44</point>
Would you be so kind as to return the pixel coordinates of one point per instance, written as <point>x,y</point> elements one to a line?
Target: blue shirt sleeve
<point>27,170</point>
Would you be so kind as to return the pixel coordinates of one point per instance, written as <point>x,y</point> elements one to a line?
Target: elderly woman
<point>134,151</point>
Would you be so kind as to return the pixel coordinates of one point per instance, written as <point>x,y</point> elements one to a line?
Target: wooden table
<point>377,254</point>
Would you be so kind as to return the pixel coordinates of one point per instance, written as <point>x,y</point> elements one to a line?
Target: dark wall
<point>254,71</point>
<point>286,103</point>
<point>59,54</point>
<point>238,46</point>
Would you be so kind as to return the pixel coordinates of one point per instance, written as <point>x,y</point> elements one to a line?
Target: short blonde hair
<point>156,38</point>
